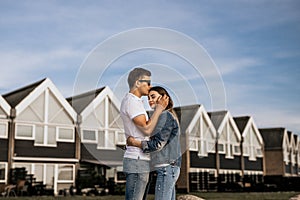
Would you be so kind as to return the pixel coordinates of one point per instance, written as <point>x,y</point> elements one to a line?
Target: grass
<point>204,195</point>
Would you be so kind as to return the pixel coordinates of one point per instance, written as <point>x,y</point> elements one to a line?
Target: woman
<point>163,146</point>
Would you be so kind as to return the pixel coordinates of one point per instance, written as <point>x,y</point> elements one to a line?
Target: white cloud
<point>20,67</point>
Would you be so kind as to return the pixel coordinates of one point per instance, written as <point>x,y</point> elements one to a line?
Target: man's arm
<point>147,127</point>
<point>158,140</point>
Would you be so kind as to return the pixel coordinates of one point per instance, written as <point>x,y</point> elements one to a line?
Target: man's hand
<point>133,142</point>
<point>130,141</point>
<point>162,102</point>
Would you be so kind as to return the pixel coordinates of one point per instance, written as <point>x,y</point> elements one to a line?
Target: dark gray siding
<point>3,150</point>
<point>226,163</point>
<point>26,148</point>
<point>253,165</point>
<point>202,162</point>
<point>90,152</point>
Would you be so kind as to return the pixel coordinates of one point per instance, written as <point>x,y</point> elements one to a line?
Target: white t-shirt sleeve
<point>135,108</point>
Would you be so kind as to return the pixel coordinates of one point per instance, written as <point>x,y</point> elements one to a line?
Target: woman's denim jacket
<point>164,144</point>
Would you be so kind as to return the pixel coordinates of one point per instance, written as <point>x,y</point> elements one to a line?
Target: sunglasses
<point>147,81</point>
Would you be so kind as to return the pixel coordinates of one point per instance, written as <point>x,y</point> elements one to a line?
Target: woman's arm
<point>147,127</point>
<point>160,137</point>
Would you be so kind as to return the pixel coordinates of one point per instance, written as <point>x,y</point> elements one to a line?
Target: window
<point>245,150</point>
<point>221,148</point>
<point>65,173</point>
<point>211,147</point>
<point>229,150</point>
<point>193,144</point>
<point>106,139</point>
<point>3,130</point>
<point>101,139</point>
<point>236,149</point>
<point>259,152</point>
<point>39,135</point>
<point>202,148</point>
<point>89,136</point>
<point>66,134</point>
<point>39,172</point>
<point>24,131</point>
<point>2,172</point>
<point>121,139</point>
<point>45,136</point>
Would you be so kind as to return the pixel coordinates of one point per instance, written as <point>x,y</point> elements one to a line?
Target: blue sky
<point>255,46</point>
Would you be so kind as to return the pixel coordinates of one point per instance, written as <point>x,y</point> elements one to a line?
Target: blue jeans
<point>165,182</point>
<point>137,175</point>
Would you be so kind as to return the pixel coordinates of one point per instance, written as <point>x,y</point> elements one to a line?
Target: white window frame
<point>212,143</point>
<point>194,139</point>
<point>203,151</point>
<point>5,173</point>
<point>22,137</point>
<point>246,146</point>
<point>286,155</point>
<point>238,146</point>
<point>261,152</point>
<point>106,132</point>
<point>73,173</point>
<point>219,151</point>
<point>5,136</point>
<point>45,131</point>
<point>118,133</point>
<point>229,155</point>
<point>64,140</point>
<point>87,140</point>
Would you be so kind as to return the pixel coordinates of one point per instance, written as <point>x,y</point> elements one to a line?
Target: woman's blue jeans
<point>137,175</point>
<point>165,182</point>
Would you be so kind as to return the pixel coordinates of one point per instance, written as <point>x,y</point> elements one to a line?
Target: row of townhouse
<point>54,138</point>
<point>41,132</point>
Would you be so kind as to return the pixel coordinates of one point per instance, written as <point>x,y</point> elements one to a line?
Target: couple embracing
<point>152,143</point>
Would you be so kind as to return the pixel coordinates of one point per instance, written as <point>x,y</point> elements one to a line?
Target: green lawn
<point>207,196</point>
<point>245,195</point>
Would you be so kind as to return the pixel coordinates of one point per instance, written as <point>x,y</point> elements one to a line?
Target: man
<point>136,124</point>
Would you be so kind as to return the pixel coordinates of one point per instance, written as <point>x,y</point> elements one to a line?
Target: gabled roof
<point>16,96</point>
<point>294,142</point>
<point>23,97</point>
<point>201,112</point>
<point>219,119</point>
<point>273,137</point>
<point>185,115</point>
<point>296,139</point>
<point>241,122</point>
<point>244,124</point>
<point>86,103</point>
<point>81,101</point>
<point>4,105</point>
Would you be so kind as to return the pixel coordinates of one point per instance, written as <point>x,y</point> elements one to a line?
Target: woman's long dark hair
<point>162,91</point>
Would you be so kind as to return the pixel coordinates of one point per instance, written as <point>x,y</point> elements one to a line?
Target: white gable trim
<point>99,98</point>
<point>296,143</point>
<point>285,141</point>
<point>250,124</point>
<point>201,110</point>
<point>193,121</point>
<point>4,105</point>
<point>293,143</point>
<point>37,92</point>
<point>228,118</point>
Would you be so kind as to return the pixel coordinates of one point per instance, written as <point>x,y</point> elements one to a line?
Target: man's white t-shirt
<point>131,107</point>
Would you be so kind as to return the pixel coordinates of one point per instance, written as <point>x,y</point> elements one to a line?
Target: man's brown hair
<point>136,74</point>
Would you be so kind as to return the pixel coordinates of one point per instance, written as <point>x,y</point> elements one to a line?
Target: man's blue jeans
<point>137,175</point>
<point>165,182</point>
